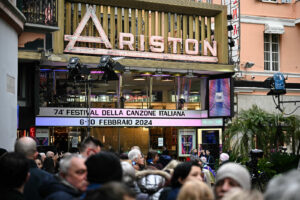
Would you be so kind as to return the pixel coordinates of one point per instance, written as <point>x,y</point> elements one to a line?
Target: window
<point>271,52</point>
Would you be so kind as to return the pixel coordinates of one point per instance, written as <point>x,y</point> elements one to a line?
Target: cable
<point>292,111</point>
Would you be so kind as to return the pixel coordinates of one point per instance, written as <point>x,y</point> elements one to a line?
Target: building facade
<point>148,73</point>
<point>11,26</point>
<point>269,44</point>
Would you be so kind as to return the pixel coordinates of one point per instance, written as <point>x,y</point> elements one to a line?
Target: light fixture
<point>229,27</point>
<point>110,92</point>
<point>139,78</point>
<point>249,64</point>
<point>167,79</point>
<point>194,92</point>
<point>146,74</point>
<point>190,75</point>
<point>229,17</point>
<point>136,91</point>
<point>107,64</point>
<point>160,74</point>
<point>77,71</point>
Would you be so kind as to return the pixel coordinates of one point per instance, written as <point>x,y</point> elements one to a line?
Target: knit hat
<point>103,167</point>
<point>224,157</point>
<point>236,172</point>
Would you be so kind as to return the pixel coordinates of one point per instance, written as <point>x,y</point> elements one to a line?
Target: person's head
<point>195,190</point>
<point>90,146</point>
<point>224,157</point>
<point>195,152</point>
<point>207,152</point>
<point>231,175</point>
<point>153,156</point>
<point>136,157</point>
<point>50,154</point>
<point>111,191</point>
<point>73,170</point>
<point>14,170</point>
<point>27,147</point>
<point>184,172</point>
<point>136,147</point>
<point>39,162</point>
<point>43,156</point>
<point>284,187</point>
<point>238,194</point>
<point>104,167</point>
<point>48,165</point>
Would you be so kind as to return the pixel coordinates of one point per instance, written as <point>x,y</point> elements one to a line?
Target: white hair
<point>65,163</point>
<point>134,154</point>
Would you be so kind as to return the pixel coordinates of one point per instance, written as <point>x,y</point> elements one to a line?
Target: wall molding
<point>267,20</point>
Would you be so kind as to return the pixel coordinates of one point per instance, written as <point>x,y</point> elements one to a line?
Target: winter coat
<point>59,189</point>
<point>37,178</point>
<point>150,182</point>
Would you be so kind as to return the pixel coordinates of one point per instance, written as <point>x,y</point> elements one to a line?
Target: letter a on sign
<point>76,37</point>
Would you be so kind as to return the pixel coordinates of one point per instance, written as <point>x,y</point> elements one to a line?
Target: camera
<point>256,153</point>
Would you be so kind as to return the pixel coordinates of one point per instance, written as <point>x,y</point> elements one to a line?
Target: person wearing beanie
<point>224,158</point>
<point>102,168</point>
<point>231,175</point>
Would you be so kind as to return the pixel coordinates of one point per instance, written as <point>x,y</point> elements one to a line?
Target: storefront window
<point>133,90</point>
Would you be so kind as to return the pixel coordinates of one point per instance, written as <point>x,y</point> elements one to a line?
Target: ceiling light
<point>146,74</point>
<point>139,78</point>
<point>194,92</point>
<point>136,91</point>
<point>167,79</point>
<point>110,92</point>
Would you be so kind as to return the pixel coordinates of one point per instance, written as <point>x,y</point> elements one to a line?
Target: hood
<point>150,181</point>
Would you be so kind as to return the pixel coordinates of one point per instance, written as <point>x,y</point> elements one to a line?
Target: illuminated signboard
<point>124,117</point>
<point>126,40</point>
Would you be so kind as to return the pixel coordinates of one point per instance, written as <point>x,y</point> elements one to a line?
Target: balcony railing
<point>41,12</point>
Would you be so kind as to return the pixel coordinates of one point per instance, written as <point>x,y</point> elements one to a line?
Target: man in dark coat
<point>27,147</point>
<point>14,172</point>
<point>70,182</point>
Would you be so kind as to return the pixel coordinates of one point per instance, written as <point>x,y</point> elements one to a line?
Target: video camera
<point>256,153</point>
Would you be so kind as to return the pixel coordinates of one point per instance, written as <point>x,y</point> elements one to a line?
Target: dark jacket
<point>11,194</point>
<point>37,178</point>
<point>59,190</point>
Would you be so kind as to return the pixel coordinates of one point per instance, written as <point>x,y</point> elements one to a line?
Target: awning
<point>273,28</point>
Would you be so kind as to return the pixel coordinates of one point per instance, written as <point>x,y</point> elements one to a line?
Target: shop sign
<point>126,40</point>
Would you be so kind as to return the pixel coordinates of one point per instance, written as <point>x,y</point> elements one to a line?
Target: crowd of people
<point>95,174</point>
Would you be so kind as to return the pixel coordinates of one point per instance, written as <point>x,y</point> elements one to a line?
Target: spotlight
<point>249,64</point>
<point>76,70</point>
<point>107,64</point>
<point>231,43</point>
<point>229,27</point>
<point>105,60</point>
<point>229,17</point>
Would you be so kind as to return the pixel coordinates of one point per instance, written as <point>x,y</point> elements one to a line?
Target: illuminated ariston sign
<point>126,40</point>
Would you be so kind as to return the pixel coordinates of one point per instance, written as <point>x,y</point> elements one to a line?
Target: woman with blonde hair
<point>195,190</point>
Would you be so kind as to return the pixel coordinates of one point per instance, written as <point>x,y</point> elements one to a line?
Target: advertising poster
<point>219,97</point>
<point>186,141</point>
<point>42,137</point>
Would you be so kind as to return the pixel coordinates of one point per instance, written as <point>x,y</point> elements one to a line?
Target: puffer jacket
<point>150,182</point>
